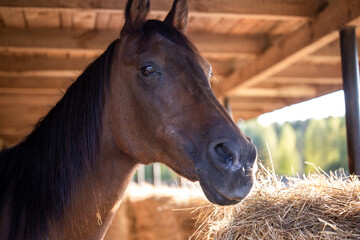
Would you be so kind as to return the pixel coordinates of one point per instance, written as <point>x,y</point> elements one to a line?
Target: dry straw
<point>317,206</point>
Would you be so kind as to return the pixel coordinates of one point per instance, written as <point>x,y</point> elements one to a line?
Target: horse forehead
<point>169,50</point>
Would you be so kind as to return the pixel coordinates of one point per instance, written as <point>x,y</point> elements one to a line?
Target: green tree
<point>325,144</point>
<point>261,135</point>
<point>288,158</point>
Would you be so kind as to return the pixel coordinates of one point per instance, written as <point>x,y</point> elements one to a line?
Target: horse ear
<point>178,15</point>
<point>135,14</point>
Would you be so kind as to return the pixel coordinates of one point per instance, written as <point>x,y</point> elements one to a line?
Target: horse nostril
<point>224,153</point>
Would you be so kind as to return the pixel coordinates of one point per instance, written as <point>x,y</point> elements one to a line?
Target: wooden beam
<point>332,49</point>
<point>16,82</point>
<point>45,40</point>
<point>26,119</point>
<point>32,91</point>
<point>293,47</point>
<point>257,8</point>
<point>297,91</point>
<point>96,41</point>
<point>34,63</point>
<point>28,100</point>
<point>227,44</point>
<point>320,59</point>
<point>304,80</point>
<point>256,105</point>
<point>311,70</point>
<point>41,74</point>
<point>35,67</point>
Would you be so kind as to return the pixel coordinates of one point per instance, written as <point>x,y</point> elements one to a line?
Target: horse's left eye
<point>149,71</point>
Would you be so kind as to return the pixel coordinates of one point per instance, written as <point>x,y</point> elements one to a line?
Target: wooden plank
<point>256,105</point>
<point>224,44</point>
<point>317,87</point>
<point>313,70</point>
<point>102,20</point>
<point>299,91</point>
<point>256,8</point>
<point>304,80</point>
<point>42,74</point>
<point>47,40</point>
<point>65,19</point>
<point>83,19</point>
<point>7,100</point>
<point>59,83</point>
<point>258,101</point>
<point>332,49</point>
<point>293,47</point>
<point>61,39</point>
<point>26,119</point>
<point>321,59</point>
<point>32,91</point>
<point>13,17</point>
<point>26,63</point>
<point>116,21</point>
<point>42,18</point>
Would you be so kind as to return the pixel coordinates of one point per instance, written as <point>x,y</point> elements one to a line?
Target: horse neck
<point>95,204</point>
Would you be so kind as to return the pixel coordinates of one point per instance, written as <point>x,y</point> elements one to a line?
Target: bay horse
<point>146,99</point>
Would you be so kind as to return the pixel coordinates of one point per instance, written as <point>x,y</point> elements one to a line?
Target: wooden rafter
<point>256,8</point>
<point>293,47</point>
<point>95,41</point>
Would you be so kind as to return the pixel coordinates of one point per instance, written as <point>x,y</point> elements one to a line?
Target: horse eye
<point>148,71</point>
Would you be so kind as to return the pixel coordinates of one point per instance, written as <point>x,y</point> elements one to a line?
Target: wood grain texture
<point>268,8</point>
<point>293,47</point>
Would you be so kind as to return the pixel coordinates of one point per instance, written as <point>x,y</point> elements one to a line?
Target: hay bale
<point>150,213</point>
<point>314,207</point>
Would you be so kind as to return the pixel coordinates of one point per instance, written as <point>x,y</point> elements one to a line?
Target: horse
<point>146,99</point>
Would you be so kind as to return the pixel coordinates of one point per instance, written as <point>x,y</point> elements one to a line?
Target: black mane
<point>38,174</point>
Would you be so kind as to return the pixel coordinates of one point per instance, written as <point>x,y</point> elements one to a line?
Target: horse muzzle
<point>227,176</point>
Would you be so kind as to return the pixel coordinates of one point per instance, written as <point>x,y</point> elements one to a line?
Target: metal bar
<point>350,71</point>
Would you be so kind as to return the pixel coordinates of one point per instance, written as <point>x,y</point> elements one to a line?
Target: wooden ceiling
<point>266,54</point>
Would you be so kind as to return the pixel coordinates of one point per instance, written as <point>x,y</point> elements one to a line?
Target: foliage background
<point>320,142</point>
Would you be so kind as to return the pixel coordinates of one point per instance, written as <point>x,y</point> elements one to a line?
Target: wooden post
<point>157,174</point>
<point>350,71</point>
<point>140,174</point>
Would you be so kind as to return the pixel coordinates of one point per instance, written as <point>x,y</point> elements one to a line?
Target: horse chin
<point>216,197</point>
<point>221,195</point>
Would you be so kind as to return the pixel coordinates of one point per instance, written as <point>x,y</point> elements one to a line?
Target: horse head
<point>163,108</point>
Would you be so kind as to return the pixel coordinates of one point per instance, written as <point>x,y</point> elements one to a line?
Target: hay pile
<point>314,207</point>
<point>150,213</point>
